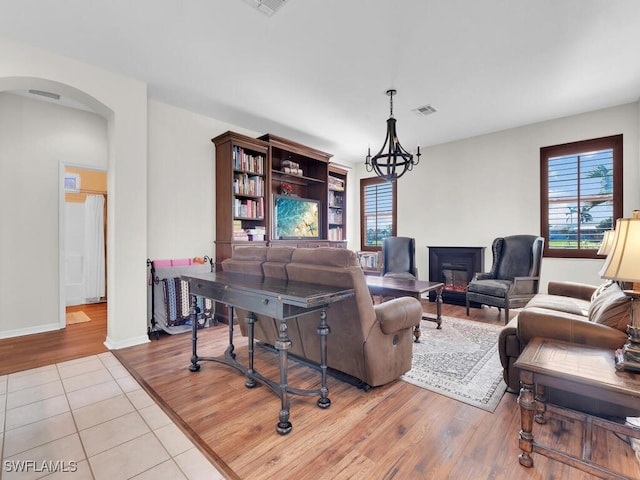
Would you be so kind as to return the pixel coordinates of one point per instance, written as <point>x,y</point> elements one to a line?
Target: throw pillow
<point>602,288</point>
<point>611,308</point>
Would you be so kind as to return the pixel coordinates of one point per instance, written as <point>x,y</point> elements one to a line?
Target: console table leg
<point>527,404</point>
<point>323,330</point>
<point>231,348</point>
<point>283,344</point>
<point>251,381</point>
<point>195,366</point>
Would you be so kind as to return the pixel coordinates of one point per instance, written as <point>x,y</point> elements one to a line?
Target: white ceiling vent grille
<point>425,110</point>
<point>268,7</point>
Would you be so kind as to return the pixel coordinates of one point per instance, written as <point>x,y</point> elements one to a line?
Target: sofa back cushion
<point>611,307</point>
<point>277,259</point>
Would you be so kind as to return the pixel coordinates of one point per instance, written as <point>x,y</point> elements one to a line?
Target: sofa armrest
<point>398,314</point>
<point>541,322</point>
<point>571,289</point>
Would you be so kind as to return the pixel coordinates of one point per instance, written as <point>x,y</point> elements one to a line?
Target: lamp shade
<point>607,241</point>
<point>623,261</point>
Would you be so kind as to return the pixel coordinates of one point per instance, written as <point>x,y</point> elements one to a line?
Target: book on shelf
<point>292,171</point>
<point>290,164</point>
<point>335,233</point>
<point>336,199</point>
<point>256,234</point>
<point>335,216</point>
<point>336,183</point>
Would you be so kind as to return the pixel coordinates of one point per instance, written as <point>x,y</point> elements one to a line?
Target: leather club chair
<point>514,278</point>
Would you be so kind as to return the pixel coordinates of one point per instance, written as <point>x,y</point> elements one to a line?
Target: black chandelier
<point>396,161</point>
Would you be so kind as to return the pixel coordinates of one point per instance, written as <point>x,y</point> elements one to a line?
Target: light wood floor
<point>397,431</point>
<point>74,341</point>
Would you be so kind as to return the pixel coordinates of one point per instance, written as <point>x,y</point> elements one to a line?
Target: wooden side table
<point>580,369</point>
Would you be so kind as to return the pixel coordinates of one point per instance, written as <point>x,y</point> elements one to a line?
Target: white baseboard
<point>129,342</point>
<point>19,332</point>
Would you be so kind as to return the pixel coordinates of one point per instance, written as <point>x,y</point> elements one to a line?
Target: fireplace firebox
<point>455,267</point>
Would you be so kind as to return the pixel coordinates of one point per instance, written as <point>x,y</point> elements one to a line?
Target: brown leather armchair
<point>514,278</point>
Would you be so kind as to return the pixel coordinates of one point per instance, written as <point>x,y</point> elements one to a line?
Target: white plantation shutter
<point>377,212</point>
<point>581,195</point>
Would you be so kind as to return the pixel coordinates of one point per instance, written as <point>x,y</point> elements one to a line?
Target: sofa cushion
<point>280,254</point>
<point>611,308</point>
<point>257,253</point>
<point>326,256</point>
<point>574,306</point>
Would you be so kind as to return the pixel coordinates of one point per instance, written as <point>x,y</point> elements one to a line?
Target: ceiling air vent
<point>425,110</point>
<point>42,93</point>
<point>268,7</point>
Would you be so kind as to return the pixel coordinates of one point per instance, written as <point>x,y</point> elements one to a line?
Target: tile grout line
<point>75,424</point>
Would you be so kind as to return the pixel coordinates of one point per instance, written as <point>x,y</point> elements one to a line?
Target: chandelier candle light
<point>623,265</point>
<point>396,161</point>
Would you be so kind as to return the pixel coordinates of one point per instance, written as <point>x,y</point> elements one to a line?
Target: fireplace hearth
<point>455,267</point>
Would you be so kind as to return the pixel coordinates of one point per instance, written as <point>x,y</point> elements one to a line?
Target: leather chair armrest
<point>482,276</point>
<point>571,289</point>
<point>540,322</point>
<point>524,285</point>
<point>398,314</point>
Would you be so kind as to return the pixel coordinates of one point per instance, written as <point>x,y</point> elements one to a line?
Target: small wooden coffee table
<point>402,287</point>
<point>588,371</point>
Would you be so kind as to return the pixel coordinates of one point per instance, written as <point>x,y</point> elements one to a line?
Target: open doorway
<point>83,229</point>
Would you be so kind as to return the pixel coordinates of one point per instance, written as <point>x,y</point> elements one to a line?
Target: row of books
<point>335,233</point>
<point>248,208</point>
<point>335,216</point>
<point>336,183</point>
<point>256,234</point>
<point>244,184</point>
<point>292,171</point>
<point>335,199</point>
<point>290,167</point>
<point>248,162</point>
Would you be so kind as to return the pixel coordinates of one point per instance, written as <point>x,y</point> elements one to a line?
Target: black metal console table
<point>275,298</point>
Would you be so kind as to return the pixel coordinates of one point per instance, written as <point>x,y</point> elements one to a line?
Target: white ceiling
<point>317,70</point>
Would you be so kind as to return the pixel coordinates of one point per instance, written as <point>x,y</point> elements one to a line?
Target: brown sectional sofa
<point>572,312</point>
<point>372,343</point>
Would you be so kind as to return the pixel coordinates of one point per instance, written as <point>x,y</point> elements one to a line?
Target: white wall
<point>35,137</point>
<point>181,181</point>
<point>123,103</point>
<point>468,192</point>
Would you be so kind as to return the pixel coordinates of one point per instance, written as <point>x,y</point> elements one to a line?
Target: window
<point>377,212</point>
<point>581,195</point>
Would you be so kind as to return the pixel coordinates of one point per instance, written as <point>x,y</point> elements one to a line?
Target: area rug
<point>77,317</point>
<point>459,361</point>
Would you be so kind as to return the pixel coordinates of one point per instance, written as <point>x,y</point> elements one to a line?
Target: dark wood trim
<point>614,142</point>
<point>364,182</point>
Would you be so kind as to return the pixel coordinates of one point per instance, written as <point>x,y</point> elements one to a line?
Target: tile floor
<point>89,419</point>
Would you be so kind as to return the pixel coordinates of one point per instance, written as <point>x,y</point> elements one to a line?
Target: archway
<point>21,253</point>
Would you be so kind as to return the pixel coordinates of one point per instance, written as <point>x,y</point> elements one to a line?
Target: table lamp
<point>607,241</point>
<point>623,265</point>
